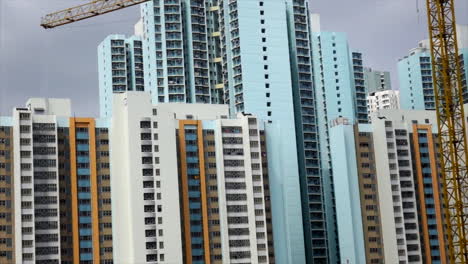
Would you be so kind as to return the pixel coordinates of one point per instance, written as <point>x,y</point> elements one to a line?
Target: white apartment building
<point>186,186</point>
<point>393,160</point>
<point>388,99</point>
<point>36,184</point>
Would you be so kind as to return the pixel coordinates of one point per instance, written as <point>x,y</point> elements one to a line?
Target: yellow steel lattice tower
<point>92,9</point>
<point>446,71</point>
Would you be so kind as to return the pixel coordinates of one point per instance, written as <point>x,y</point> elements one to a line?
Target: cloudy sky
<point>62,62</point>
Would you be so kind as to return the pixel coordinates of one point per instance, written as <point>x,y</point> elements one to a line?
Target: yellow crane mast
<point>92,9</point>
<point>447,82</point>
<point>446,71</point>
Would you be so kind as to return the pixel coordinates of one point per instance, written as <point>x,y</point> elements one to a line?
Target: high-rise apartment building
<point>415,74</point>
<point>235,52</point>
<point>90,190</point>
<point>317,241</point>
<point>213,168</point>
<point>369,195</point>
<point>59,214</point>
<point>429,193</point>
<point>347,192</point>
<point>407,172</point>
<point>7,217</point>
<point>395,181</point>
<point>36,166</point>
<point>398,191</point>
<point>257,79</point>
<point>120,62</point>
<point>337,72</point>
<point>376,81</point>
<point>176,49</point>
<point>387,99</point>
<point>360,88</point>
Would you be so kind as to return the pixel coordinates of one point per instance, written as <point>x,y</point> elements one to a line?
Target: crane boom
<point>92,9</point>
<point>446,71</point>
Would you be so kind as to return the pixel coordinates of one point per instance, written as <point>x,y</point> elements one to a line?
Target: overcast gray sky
<point>62,62</point>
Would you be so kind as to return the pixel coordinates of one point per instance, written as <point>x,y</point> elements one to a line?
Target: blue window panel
<point>194,182</point>
<point>192,160</point>
<point>84,207</point>
<point>434,242</point>
<point>85,232</point>
<point>198,261</point>
<point>426,170</point>
<point>86,244</point>
<point>197,240</point>
<point>433,232</point>
<point>82,147</point>
<point>193,171</point>
<point>195,228</point>
<point>191,148</point>
<point>83,183</point>
<point>84,195</point>
<point>82,159</point>
<point>422,140</point>
<point>428,190</point>
<point>86,256</point>
<point>83,171</point>
<point>194,194</point>
<point>435,252</point>
<point>195,205</point>
<point>197,252</point>
<point>424,150</point>
<point>190,137</point>
<point>427,180</point>
<point>431,221</point>
<point>85,219</point>
<point>430,211</point>
<point>82,135</point>
<point>195,217</point>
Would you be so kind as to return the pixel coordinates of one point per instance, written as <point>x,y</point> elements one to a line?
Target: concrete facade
<point>388,99</point>
<point>206,164</point>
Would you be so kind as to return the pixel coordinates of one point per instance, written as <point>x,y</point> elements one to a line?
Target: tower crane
<point>446,74</point>
<point>88,10</point>
<point>446,70</point>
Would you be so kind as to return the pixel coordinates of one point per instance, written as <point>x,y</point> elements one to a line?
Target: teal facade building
<point>176,50</point>
<point>257,80</point>
<point>347,198</point>
<point>341,95</point>
<point>120,68</point>
<point>318,243</point>
<point>415,77</point>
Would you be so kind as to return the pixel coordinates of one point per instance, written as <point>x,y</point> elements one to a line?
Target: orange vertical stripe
<point>184,176</point>
<point>90,124</point>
